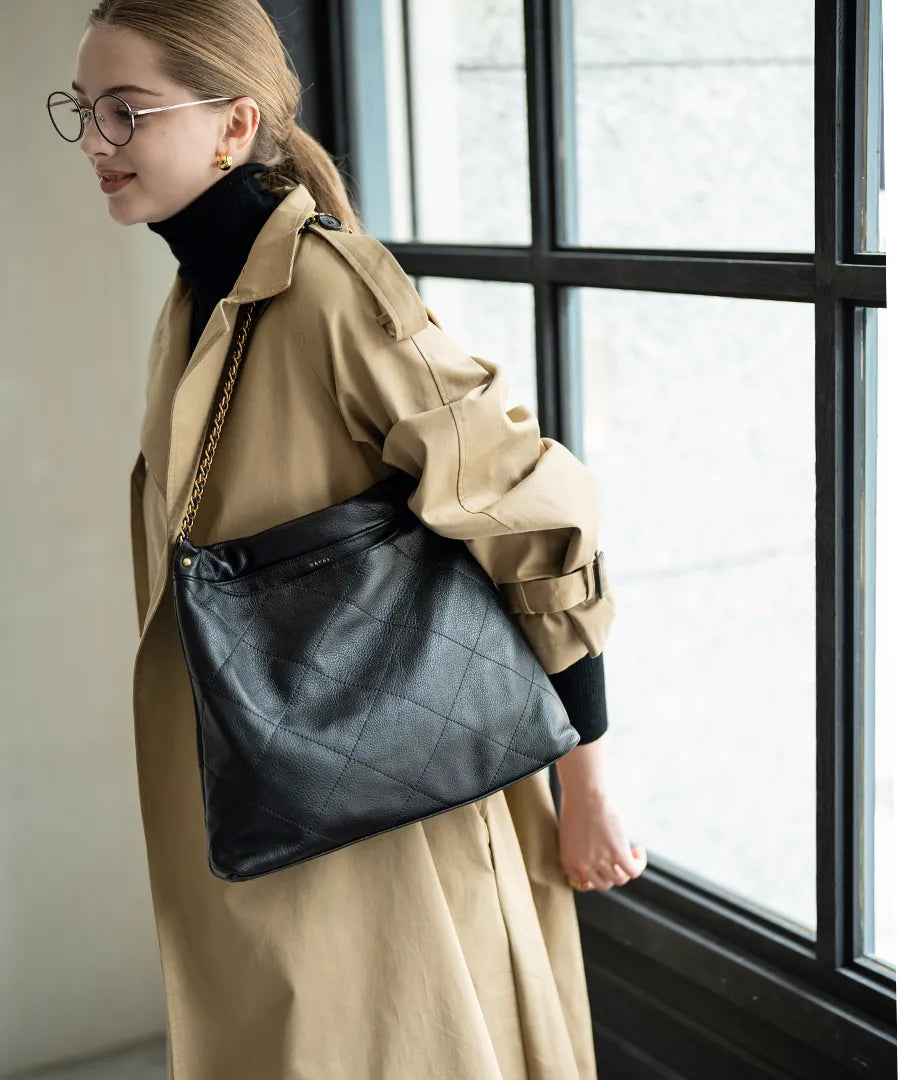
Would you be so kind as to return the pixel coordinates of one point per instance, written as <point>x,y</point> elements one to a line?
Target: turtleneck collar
<point>212,236</point>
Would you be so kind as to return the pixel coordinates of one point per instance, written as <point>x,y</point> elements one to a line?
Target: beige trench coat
<point>448,948</point>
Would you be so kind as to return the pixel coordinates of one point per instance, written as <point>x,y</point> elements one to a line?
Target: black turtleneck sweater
<point>211,238</point>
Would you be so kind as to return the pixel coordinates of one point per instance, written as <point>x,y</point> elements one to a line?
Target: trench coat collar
<point>270,263</point>
<point>267,271</point>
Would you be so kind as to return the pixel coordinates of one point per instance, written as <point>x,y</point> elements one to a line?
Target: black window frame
<point>679,972</point>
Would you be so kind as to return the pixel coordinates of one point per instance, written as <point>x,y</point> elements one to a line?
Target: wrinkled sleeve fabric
<point>525,506</point>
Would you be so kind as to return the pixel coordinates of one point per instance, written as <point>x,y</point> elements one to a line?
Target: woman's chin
<point>127,214</point>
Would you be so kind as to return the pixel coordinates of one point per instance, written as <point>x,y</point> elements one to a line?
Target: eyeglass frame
<point>132,113</point>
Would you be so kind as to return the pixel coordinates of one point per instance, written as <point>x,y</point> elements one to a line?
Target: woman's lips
<point>110,187</point>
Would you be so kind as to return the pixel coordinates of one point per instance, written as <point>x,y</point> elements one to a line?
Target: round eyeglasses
<point>113,115</point>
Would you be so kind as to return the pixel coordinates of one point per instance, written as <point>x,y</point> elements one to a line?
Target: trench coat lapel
<point>267,271</point>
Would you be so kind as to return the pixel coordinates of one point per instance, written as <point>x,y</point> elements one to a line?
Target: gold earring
<point>224,162</point>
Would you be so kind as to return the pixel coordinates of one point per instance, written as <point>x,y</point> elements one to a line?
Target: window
<point>440,120</point>
<point>876,688</point>
<point>685,201</point>
<point>703,444</point>
<point>650,95</point>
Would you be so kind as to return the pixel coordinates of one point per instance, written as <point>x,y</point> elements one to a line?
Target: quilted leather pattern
<point>352,671</point>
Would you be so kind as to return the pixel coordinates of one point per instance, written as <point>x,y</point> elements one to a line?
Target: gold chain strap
<point>216,429</point>
<point>219,418</point>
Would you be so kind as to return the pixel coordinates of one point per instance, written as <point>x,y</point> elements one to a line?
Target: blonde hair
<point>231,48</point>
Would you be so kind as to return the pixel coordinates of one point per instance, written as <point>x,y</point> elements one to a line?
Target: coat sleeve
<point>582,689</point>
<point>525,506</point>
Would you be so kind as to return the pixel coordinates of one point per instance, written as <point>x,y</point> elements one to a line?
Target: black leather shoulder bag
<point>352,671</point>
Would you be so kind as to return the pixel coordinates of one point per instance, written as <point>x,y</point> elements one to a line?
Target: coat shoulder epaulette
<point>403,312</point>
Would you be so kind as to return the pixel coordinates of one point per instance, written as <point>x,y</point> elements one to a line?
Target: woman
<point>450,947</point>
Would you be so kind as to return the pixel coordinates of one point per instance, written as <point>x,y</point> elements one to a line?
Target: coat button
<point>329,222</point>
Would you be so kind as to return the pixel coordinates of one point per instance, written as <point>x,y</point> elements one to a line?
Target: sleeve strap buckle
<point>540,596</point>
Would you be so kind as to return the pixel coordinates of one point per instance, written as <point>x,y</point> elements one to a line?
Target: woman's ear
<point>242,124</point>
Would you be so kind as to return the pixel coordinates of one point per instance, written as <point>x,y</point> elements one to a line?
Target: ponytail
<point>305,160</point>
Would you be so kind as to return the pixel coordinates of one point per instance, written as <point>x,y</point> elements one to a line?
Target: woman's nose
<point>92,140</point>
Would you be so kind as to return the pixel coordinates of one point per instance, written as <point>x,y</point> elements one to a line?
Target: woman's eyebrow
<point>128,88</point>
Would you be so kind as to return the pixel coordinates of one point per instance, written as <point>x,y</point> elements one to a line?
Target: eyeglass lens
<point>111,114</point>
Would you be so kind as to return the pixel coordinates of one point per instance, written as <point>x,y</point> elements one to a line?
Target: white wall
<point>79,966</point>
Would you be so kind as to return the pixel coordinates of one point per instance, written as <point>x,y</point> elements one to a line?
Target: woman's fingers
<point>619,864</point>
<point>605,877</point>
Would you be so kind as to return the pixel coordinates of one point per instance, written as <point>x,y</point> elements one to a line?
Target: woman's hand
<point>593,845</point>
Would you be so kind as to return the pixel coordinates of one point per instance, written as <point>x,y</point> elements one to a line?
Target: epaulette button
<point>329,222</point>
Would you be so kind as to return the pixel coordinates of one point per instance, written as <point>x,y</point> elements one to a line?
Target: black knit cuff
<point>582,689</point>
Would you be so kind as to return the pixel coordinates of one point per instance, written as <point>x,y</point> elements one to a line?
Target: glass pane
<point>691,124</point>
<point>494,319</point>
<point>869,172</point>
<point>699,425</point>
<point>440,120</point>
<point>877,681</point>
